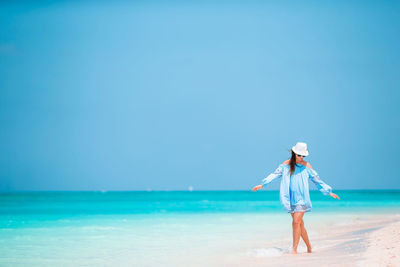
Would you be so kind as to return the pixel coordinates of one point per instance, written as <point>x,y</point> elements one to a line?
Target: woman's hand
<point>257,187</point>
<point>334,195</point>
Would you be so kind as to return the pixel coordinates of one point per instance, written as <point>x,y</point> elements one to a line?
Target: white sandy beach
<point>383,247</point>
<point>365,241</point>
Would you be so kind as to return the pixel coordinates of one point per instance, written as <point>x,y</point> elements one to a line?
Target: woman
<point>294,192</point>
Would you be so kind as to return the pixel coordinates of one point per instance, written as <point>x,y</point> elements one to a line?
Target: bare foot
<point>309,249</point>
<point>293,252</point>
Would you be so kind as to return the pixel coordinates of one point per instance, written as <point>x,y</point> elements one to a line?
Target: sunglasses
<point>300,156</point>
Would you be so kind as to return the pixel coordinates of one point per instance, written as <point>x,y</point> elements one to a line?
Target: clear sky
<point>164,95</point>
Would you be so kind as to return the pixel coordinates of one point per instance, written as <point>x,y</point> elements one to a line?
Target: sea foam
<point>268,252</point>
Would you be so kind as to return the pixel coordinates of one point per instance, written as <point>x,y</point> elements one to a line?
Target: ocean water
<point>173,228</point>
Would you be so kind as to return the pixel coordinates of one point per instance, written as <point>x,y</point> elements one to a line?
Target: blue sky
<point>164,95</point>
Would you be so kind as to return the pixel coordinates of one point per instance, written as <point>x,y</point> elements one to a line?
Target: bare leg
<point>304,235</point>
<point>297,218</point>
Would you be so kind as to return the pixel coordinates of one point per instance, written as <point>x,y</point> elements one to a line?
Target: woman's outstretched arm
<point>321,185</point>
<point>276,174</point>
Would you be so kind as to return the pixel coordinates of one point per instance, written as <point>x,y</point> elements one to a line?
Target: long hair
<point>292,163</point>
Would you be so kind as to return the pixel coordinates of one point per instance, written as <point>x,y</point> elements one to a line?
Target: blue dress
<point>294,191</point>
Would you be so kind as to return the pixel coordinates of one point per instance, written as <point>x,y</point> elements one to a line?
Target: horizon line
<point>166,190</point>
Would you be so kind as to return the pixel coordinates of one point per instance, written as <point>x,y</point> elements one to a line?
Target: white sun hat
<point>300,149</point>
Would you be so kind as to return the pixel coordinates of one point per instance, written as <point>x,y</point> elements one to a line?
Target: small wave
<point>268,252</point>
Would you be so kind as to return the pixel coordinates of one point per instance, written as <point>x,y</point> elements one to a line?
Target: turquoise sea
<point>169,228</point>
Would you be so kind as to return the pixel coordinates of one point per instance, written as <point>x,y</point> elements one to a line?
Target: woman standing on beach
<point>294,191</point>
